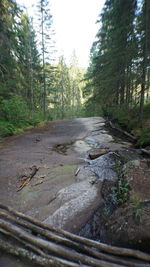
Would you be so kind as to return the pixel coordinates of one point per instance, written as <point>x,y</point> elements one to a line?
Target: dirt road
<point>53,154</point>
<point>47,174</point>
<point>51,149</point>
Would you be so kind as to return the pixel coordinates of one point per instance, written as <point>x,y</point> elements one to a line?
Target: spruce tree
<point>113,54</point>
<point>28,60</point>
<point>45,23</point>
<point>144,53</point>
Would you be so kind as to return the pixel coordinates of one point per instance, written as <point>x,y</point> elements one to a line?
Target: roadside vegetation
<point>118,78</point>
<point>34,87</point>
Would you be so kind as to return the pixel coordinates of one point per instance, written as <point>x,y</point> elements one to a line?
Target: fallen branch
<point>26,179</point>
<point>145,151</point>
<point>52,248</point>
<point>63,245</point>
<point>42,260</point>
<point>66,242</point>
<point>76,173</point>
<point>132,137</point>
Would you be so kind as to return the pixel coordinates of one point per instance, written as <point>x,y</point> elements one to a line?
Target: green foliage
<point>137,206</point>
<point>14,110</point>
<point>144,137</point>
<point>65,95</point>
<point>129,120</point>
<point>106,212</point>
<point>121,189</point>
<point>35,118</point>
<point>6,129</point>
<point>122,118</point>
<point>16,116</point>
<point>146,114</point>
<point>117,79</point>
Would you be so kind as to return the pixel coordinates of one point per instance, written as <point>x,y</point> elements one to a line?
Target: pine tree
<point>113,54</point>
<point>9,13</point>
<point>144,52</point>
<point>28,60</point>
<point>45,19</point>
<point>75,80</point>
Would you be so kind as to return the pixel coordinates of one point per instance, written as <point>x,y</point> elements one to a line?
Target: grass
<point>136,201</point>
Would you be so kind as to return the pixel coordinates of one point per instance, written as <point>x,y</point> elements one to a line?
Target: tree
<point>65,92</point>
<point>45,19</point>
<point>75,84</point>
<point>9,12</point>
<point>28,60</point>
<point>113,54</point>
<point>144,52</point>
<point>61,91</point>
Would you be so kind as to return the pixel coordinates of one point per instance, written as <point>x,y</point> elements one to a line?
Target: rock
<point>104,166</point>
<point>93,181</point>
<point>76,203</point>
<point>38,139</point>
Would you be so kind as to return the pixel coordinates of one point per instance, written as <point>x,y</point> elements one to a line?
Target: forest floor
<point>46,172</point>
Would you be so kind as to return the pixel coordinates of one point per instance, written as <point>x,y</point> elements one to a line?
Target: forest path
<point>53,154</point>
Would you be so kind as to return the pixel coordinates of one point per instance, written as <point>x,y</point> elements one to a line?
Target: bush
<point>14,111</point>
<point>6,129</point>
<point>147,111</point>
<point>16,116</point>
<point>144,137</point>
<point>35,118</point>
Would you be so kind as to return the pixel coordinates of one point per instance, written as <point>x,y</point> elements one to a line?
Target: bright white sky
<point>74,25</point>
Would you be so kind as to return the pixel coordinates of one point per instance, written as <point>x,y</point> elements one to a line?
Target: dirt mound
<point>130,224</point>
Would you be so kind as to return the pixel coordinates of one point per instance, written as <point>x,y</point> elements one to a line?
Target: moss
<point>68,167</point>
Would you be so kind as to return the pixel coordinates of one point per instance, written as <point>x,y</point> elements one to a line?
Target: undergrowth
<point>129,121</point>
<point>15,116</point>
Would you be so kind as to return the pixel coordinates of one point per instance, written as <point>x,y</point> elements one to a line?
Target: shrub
<point>14,110</point>
<point>6,129</point>
<point>35,118</point>
<point>144,137</point>
<point>146,110</point>
<point>16,116</point>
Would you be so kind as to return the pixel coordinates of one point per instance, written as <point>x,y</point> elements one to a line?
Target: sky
<point>74,22</point>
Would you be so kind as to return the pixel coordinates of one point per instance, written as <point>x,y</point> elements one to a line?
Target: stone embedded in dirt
<point>38,139</point>
<point>104,166</point>
<point>97,153</point>
<point>77,203</point>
